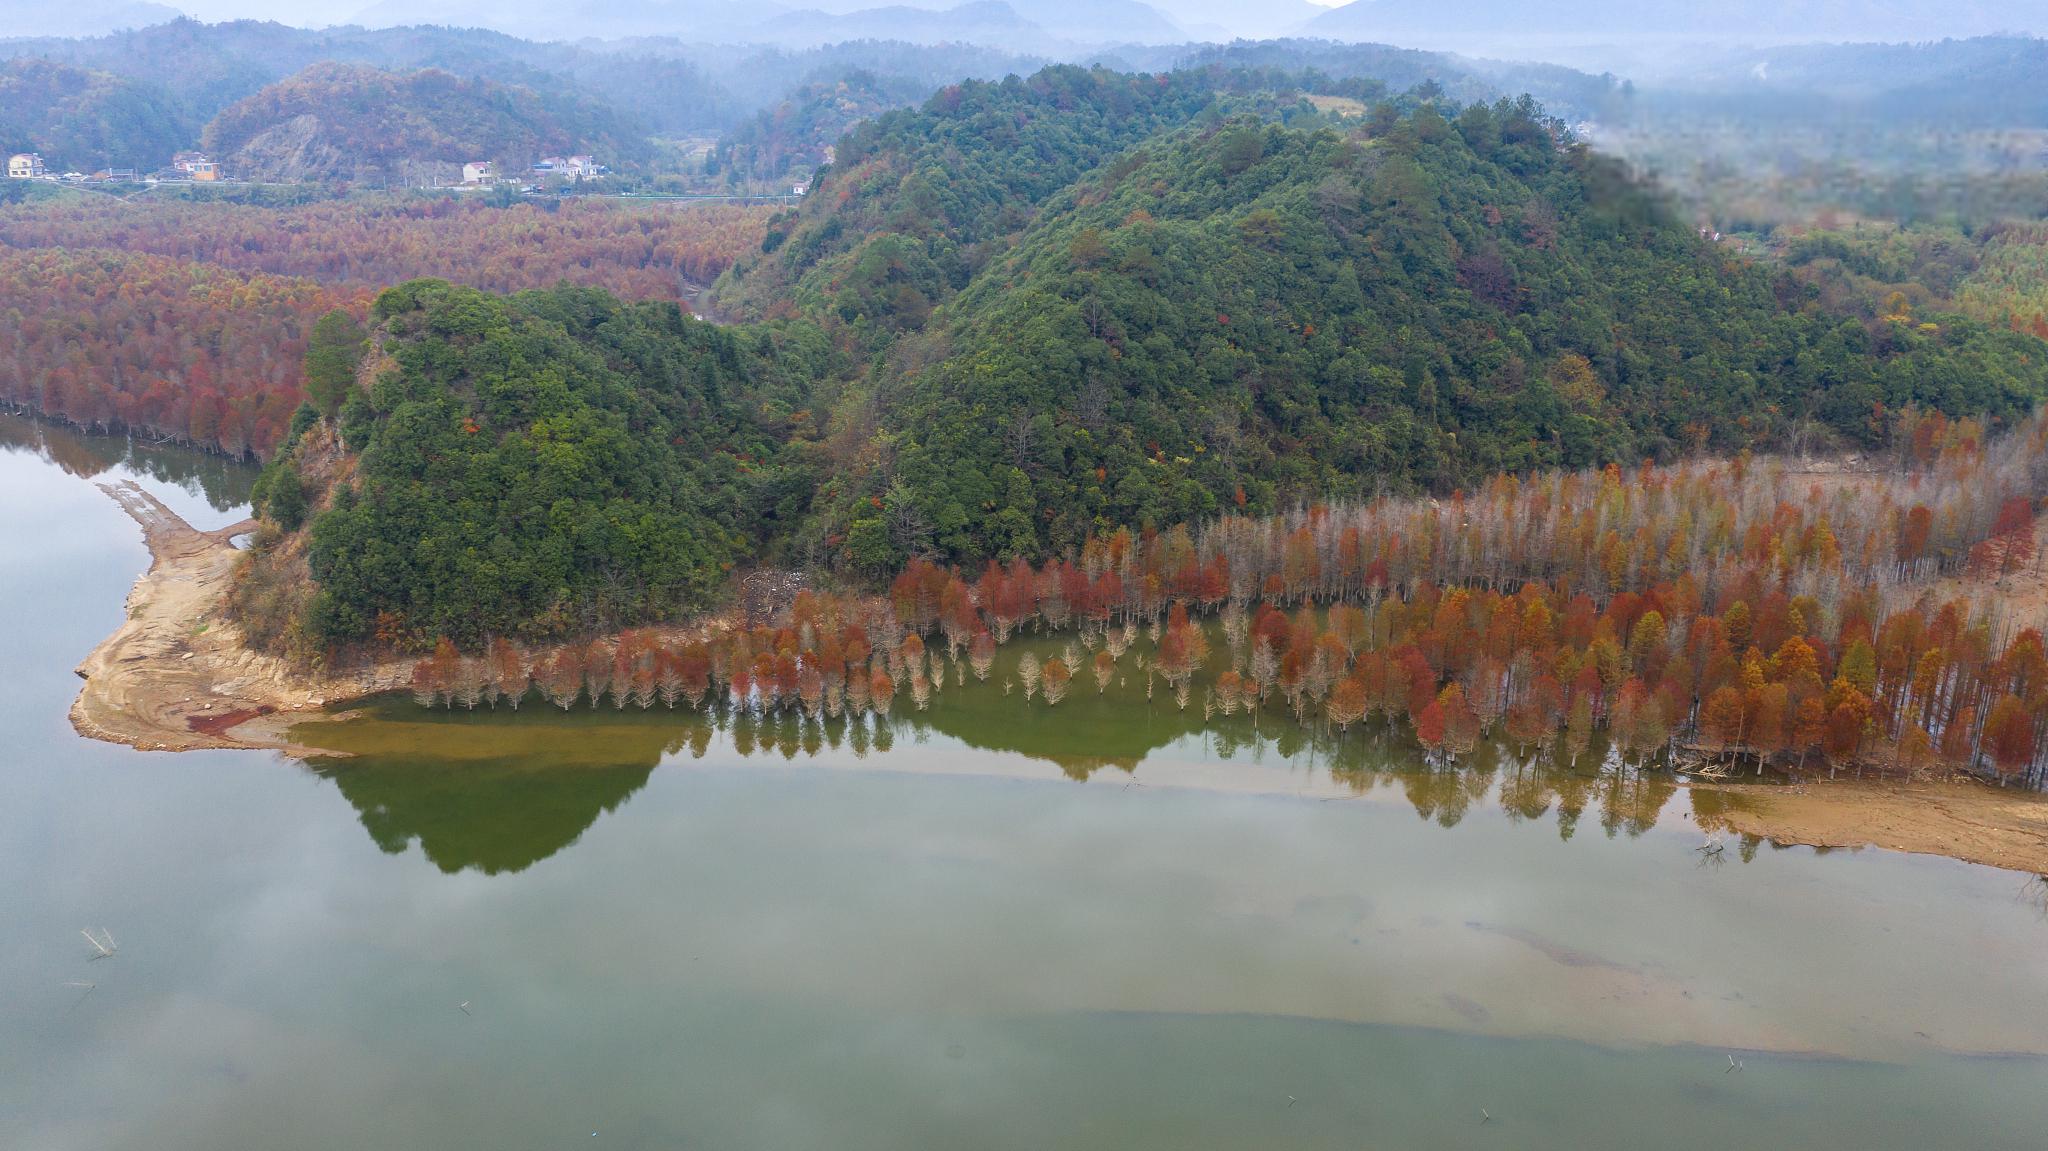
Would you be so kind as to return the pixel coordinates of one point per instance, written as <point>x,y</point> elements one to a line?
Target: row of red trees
<point>639,251</point>
<point>1774,639</point>
<point>110,340</point>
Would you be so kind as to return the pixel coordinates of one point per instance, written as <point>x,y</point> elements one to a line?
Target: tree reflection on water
<point>498,791</point>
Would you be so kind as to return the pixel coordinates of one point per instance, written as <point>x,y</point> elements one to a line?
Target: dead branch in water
<point>105,947</point>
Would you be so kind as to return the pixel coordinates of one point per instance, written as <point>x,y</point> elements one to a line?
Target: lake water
<point>986,925</point>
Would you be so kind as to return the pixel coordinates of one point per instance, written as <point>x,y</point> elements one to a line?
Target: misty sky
<point>319,13</point>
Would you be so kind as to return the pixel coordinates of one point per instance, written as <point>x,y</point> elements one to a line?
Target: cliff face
<point>303,150</point>
<point>273,584</point>
<point>290,151</point>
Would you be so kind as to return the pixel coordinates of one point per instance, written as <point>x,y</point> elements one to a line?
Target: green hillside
<point>551,461</point>
<point>1250,311</point>
<point>919,199</point>
<point>1039,308</point>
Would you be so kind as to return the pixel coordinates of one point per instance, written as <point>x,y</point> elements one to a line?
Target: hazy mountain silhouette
<point>87,18</point>
<point>1514,26</point>
<point>1222,20</point>
<point>1027,24</point>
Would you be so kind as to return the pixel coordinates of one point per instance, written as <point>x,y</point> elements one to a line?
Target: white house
<point>476,172</point>
<point>25,166</point>
<point>574,167</point>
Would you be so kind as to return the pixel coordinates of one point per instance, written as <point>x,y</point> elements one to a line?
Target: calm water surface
<point>982,925</point>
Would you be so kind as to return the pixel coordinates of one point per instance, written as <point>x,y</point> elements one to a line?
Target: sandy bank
<point>1973,822</point>
<point>177,675</point>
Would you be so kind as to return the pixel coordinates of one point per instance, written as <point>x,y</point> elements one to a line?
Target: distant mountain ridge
<point>180,75</point>
<point>705,20</point>
<point>1499,25</point>
<point>1236,19</point>
<point>976,22</point>
<point>199,69</point>
<point>1017,24</point>
<point>81,18</point>
<point>1999,68</point>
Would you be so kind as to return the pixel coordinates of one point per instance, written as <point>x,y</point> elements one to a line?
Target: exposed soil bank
<point>176,675</point>
<point>1973,822</point>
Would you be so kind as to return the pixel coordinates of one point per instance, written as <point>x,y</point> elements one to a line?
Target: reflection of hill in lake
<point>500,791</point>
<point>1121,724</point>
<point>496,791</point>
<point>1085,733</point>
<point>222,481</point>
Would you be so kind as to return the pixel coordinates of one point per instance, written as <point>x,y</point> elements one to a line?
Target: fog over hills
<point>1033,25</point>
<point>1661,36</point>
<point>1025,24</point>
<point>1246,19</point>
<point>703,20</point>
<point>1029,25</point>
<point>85,18</point>
<point>1647,41</point>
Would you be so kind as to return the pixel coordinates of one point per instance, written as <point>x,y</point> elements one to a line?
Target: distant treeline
<point>131,99</point>
<point>188,320</point>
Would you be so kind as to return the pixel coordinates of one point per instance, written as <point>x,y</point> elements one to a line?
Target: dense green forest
<point>919,198</point>
<point>1037,309</point>
<point>1268,310</point>
<point>549,461</point>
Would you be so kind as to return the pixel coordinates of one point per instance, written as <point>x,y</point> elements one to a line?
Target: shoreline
<point>1972,822</point>
<point>176,676</point>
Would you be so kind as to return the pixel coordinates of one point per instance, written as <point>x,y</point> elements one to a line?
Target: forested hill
<point>919,199</point>
<point>81,119</point>
<point>347,121</point>
<point>1243,310</point>
<point>537,464</point>
<point>1039,309</point>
